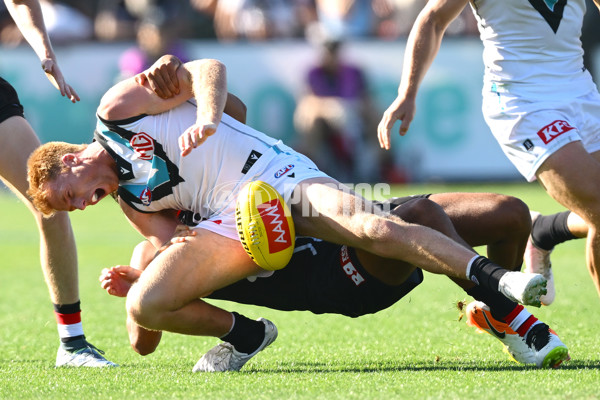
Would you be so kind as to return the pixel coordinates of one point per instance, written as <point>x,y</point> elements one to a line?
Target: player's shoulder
<point>122,101</point>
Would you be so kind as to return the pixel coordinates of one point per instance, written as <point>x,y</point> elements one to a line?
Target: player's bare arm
<point>162,78</point>
<point>129,99</point>
<point>27,14</point>
<point>209,87</point>
<point>158,228</point>
<point>421,49</point>
<point>236,108</point>
<point>204,80</point>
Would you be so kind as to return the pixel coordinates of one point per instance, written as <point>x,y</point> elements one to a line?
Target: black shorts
<point>9,101</point>
<point>323,278</point>
<point>394,202</point>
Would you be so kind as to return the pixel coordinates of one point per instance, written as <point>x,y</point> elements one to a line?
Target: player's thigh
<point>485,218</point>
<point>569,175</point>
<point>389,271</point>
<point>327,209</point>
<point>17,142</point>
<point>190,270</point>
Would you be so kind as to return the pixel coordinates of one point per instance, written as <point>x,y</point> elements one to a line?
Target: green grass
<point>416,349</point>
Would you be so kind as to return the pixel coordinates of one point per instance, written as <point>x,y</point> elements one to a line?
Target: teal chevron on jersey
<point>160,173</point>
<point>116,137</point>
<point>145,173</point>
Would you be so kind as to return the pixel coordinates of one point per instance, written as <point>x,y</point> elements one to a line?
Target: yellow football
<point>265,225</point>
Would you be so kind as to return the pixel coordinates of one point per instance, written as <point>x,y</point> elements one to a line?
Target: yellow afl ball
<point>265,225</point>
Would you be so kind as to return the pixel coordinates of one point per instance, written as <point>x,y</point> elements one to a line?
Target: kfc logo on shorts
<point>284,170</point>
<point>554,130</point>
<point>143,144</point>
<point>276,225</point>
<point>146,196</point>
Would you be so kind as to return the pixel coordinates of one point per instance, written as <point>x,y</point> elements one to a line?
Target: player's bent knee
<point>140,310</point>
<point>421,211</point>
<point>141,350</point>
<point>145,344</point>
<point>513,216</point>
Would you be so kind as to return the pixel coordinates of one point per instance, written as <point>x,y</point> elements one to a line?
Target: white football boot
<point>537,261</point>
<point>88,356</point>
<point>523,288</point>
<point>224,357</point>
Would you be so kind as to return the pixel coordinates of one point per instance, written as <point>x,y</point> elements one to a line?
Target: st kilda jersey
<point>152,174</point>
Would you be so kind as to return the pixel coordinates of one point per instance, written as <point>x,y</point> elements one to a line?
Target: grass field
<point>416,349</point>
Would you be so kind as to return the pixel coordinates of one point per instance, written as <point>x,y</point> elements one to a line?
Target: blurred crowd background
<point>335,114</point>
<point>253,20</point>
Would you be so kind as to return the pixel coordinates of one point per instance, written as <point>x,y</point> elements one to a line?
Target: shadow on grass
<point>331,367</point>
<point>376,367</point>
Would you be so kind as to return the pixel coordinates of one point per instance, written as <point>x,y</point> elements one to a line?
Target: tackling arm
<point>236,108</point>
<point>205,80</point>
<point>158,228</point>
<point>162,78</point>
<point>202,79</point>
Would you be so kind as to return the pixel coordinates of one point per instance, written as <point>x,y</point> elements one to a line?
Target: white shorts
<point>284,170</point>
<point>530,131</point>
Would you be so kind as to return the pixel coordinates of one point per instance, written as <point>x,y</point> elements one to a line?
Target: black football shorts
<point>322,278</point>
<point>9,101</point>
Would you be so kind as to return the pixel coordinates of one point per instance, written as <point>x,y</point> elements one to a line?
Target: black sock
<point>550,230</point>
<point>74,343</point>
<point>68,308</point>
<point>246,335</point>
<point>486,274</point>
<point>499,305</point>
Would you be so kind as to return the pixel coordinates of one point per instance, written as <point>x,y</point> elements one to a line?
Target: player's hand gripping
<point>118,280</point>
<point>181,235</point>
<point>162,76</point>
<point>56,78</point>
<point>402,109</point>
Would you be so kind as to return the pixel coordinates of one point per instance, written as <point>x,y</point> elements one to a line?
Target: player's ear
<point>70,160</point>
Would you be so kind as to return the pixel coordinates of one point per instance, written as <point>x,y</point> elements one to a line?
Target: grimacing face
<point>77,188</point>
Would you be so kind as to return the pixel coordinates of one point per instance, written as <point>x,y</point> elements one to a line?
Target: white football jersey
<point>151,168</point>
<point>533,46</point>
